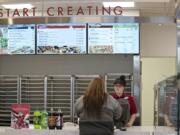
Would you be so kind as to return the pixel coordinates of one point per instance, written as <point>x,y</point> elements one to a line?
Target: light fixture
<point>18,6</point>
<point>121,4</point>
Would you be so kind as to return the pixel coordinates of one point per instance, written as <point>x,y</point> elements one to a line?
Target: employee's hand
<point>131,120</point>
<point>129,124</point>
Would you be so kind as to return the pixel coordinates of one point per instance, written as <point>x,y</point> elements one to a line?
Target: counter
<point>73,130</point>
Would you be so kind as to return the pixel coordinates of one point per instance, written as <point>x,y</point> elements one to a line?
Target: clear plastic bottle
<point>37,119</point>
<point>59,119</point>
<point>51,119</point>
<point>44,120</point>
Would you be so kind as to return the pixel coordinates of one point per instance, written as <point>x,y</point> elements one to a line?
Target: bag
<point>20,116</point>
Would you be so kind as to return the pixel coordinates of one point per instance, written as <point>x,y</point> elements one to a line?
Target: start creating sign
<point>62,11</point>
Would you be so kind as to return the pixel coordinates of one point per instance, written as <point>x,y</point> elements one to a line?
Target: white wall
<point>158,41</point>
<point>153,71</point>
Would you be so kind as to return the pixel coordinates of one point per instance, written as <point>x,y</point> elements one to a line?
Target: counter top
<point>73,130</point>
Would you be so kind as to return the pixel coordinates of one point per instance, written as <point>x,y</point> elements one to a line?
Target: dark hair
<point>121,80</point>
<point>95,97</point>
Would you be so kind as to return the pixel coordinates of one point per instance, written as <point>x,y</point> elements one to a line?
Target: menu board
<point>113,38</point>
<point>61,39</point>
<point>17,39</point>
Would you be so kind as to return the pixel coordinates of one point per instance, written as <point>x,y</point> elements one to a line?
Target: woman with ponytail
<point>97,110</point>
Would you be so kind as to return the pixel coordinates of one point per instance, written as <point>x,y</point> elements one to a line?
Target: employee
<point>119,87</point>
<point>97,108</point>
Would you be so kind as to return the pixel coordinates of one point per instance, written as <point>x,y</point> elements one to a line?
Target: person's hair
<point>94,97</point>
<point>121,80</point>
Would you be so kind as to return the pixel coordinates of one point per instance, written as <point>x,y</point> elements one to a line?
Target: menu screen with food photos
<point>61,39</point>
<point>17,39</point>
<point>116,38</point>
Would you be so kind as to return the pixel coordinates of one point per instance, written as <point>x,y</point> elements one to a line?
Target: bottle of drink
<point>37,119</point>
<point>51,119</point>
<point>59,119</point>
<point>44,120</point>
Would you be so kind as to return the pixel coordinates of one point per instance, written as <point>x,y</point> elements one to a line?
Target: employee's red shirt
<point>133,109</point>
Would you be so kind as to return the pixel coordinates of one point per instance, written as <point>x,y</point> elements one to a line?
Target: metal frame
<point>91,19</point>
<point>45,93</point>
<point>55,83</point>
<point>5,112</point>
<point>156,114</point>
<point>29,88</point>
<point>19,90</point>
<point>72,98</point>
<point>137,81</point>
<point>178,46</point>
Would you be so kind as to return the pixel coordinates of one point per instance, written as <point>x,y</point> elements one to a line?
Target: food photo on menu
<point>101,49</point>
<point>61,39</point>
<point>59,50</point>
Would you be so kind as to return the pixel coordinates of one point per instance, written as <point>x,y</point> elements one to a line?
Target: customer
<point>119,87</point>
<point>170,108</point>
<point>171,103</point>
<point>97,110</point>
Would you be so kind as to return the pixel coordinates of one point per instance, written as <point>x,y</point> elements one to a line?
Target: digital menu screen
<point>113,38</point>
<point>61,39</point>
<point>17,39</point>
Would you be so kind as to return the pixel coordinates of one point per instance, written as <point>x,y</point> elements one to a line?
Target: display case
<point>165,104</point>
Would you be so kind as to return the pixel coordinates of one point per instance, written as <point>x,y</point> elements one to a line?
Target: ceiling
<point>145,7</point>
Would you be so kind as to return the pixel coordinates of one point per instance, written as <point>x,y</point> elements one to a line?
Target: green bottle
<point>44,120</point>
<point>37,120</point>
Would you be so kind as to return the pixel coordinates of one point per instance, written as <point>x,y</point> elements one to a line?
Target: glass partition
<point>166,105</point>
